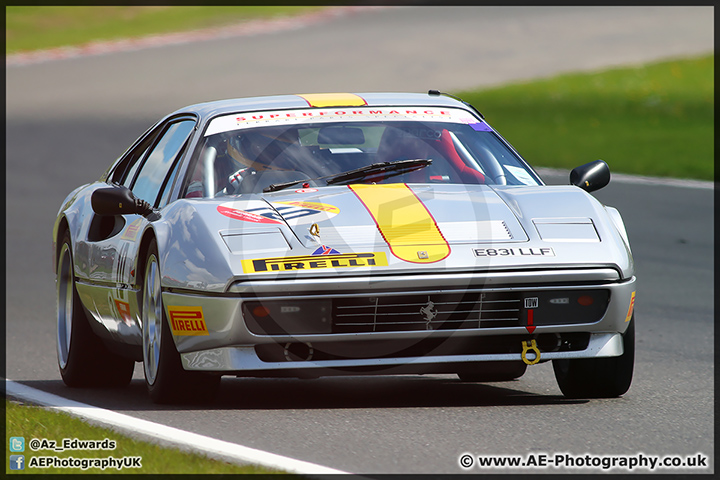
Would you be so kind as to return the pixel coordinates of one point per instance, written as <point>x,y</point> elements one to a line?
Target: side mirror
<point>591,176</point>
<point>118,200</point>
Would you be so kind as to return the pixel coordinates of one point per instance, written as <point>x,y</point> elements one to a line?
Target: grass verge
<point>32,422</point>
<point>655,119</point>
<point>41,27</point>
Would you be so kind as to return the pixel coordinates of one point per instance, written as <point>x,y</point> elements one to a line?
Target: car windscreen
<point>248,153</point>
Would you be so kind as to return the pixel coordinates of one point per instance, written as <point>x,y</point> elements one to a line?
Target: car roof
<point>278,102</point>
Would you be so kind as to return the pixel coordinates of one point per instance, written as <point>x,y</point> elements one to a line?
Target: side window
<point>155,169</point>
<point>125,170</point>
<point>134,163</point>
<point>167,188</point>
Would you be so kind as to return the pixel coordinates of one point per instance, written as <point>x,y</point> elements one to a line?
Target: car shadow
<point>321,393</point>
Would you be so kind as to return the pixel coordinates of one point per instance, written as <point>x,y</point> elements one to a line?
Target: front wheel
<point>598,377</point>
<point>166,380</point>
<point>83,359</point>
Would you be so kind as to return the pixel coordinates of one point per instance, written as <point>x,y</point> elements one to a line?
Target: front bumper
<point>227,344</point>
<point>245,360</point>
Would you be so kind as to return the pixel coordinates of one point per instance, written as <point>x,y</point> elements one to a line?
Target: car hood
<point>399,216</point>
<point>347,230</point>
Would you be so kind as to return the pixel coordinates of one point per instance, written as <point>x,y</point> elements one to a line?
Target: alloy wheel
<point>152,320</point>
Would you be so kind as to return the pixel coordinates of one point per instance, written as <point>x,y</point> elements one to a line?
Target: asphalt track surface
<point>68,119</point>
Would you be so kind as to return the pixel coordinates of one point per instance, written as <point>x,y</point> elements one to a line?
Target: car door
<point>148,170</point>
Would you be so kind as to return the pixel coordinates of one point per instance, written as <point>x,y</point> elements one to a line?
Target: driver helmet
<point>259,148</point>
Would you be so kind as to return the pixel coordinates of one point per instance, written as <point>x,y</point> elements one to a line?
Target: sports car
<point>339,234</point>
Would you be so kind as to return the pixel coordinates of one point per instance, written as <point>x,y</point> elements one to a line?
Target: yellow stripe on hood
<point>404,222</point>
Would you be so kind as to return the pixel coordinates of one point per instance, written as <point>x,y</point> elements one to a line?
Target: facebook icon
<point>17,462</point>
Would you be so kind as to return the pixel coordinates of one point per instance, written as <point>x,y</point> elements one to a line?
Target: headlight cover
<point>566,229</point>
<point>255,242</point>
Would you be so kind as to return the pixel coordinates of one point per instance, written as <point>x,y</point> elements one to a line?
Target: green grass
<point>34,422</point>
<point>40,27</point>
<point>656,119</point>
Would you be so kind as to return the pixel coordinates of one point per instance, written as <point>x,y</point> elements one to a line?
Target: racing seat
<point>469,175</point>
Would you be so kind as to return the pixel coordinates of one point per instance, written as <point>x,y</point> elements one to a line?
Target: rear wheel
<point>83,359</point>
<point>598,377</point>
<point>166,380</point>
<point>494,372</point>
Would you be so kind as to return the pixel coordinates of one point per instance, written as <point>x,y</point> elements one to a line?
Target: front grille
<point>402,312</point>
<point>449,311</point>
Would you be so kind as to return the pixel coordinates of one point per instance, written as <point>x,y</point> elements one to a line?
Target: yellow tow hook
<point>532,347</point>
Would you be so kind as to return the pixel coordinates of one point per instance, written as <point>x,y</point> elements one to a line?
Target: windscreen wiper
<point>409,164</point>
<point>397,167</point>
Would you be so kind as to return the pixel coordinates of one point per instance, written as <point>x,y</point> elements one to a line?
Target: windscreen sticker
<point>356,114</point>
<point>404,222</point>
<point>313,262</point>
<point>521,174</point>
<point>481,127</point>
<point>188,321</point>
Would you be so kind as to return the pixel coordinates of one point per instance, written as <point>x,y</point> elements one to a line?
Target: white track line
<point>187,440</point>
<point>638,179</point>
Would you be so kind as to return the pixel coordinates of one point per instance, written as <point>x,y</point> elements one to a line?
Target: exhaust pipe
<point>298,352</point>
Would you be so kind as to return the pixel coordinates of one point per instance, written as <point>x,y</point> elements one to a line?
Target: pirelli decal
<point>313,262</point>
<point>187,321</point>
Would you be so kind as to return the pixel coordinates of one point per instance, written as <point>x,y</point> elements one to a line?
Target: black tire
<point>598,377</point>
<point>494,372</point>
<point>166,380</point>
<point>83,359</point>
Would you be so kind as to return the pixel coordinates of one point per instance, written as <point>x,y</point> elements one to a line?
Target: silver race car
<point>339,234</point>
